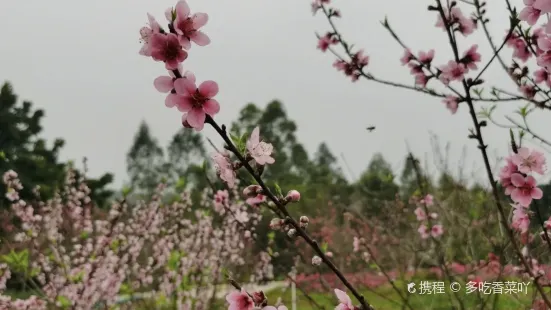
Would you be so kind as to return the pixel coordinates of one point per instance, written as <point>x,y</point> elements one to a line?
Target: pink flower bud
<point>329,254</point>
<point>316,260</point>
<point>303,222</point>
<point>276,223</point>
<point>293,196</point>
<point>252,190</point>
<point>292,233</point>
<point>260,299</point>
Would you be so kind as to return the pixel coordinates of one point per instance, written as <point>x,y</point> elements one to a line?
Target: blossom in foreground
<point>165,84</point>
<point>525,189</point>
<point>224,168</point>
<point>529,161</point>
<point>197,102</point>
<point>530,14</point>
<point>452,103</point>
<point>453,71</point>
<point>345,303</point>
<point>520,220</point>
<point>240,301</point>
<point>187,27</point>
<point>165,47</point>
<point>274,308</point>
<point>259,150</point>
<point>423,231</point>
<point>146,33</point>
<point>437,231</point>
<point>463,24</point>
<point>326,41</point>
<point>471,57</point>
<point>420,214</point>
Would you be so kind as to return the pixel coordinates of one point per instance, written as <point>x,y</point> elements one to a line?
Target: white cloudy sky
<point>79,61</point>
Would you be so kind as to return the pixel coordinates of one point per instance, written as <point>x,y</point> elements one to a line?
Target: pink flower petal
<point>185,86</point>
<point>196,118</point>
<point>184,103</point>
<point>211,107</point>
<point>190,76</point>
<point>208,89</point>
<point>163,84</point>
<point>171,100</point>
<point>199,38</point>
<point>182,9</point>
<point>517,179</point>
<point>536,193</point>
<point>184,41</point>
<point>199,20</point>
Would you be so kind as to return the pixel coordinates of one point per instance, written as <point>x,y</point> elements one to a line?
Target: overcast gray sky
<point>79,61</point>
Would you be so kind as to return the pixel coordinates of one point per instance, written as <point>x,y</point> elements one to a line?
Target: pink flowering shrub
<point>76,259</point>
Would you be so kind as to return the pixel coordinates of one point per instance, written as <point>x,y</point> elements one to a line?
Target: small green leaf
<point>126,191</point>
<point>174,260</point>
<point>278,190</point>
<point>63,301</point>
<point>324,247</point>
<point>271,236</point>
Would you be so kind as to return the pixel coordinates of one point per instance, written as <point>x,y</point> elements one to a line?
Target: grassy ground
<point>379,299</point>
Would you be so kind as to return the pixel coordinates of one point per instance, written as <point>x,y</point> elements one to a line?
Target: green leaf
<point>324,247</point>
<point>278,190</point>
<point>174,260</point>
<point>126,191</point>
<point>63,301</point>
<point>271,236</point>
<point>180,184</point>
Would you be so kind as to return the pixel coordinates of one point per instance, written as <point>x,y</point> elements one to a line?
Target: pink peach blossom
<point>452,103</point>
<point>437,230</point>
<point>345,303</point>
<point>187,27</point>
<point>224,168</point>
<point>529,161</point>
<point>420,213</point>
<point>543,5</point>
<point>525,189</point>
<point>259,150</point>
<point>423,231</point>
<point>453,71</point>
<point>146,33</point>
<point>326,41</point>
<point>407,57</point>
<point>471,57</point>
<point>196,101</point>
<point>165,47</point>
<point>240,301</point>
<point>520,220</point>
<point>426,57</point>
<point>530,14</point>
<point>520,49</point>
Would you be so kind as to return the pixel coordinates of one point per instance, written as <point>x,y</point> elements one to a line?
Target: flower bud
<point>276,223</point>
<point>329,254</point>
<point>303,222</point>
<point>260,299</point>
<point>316,260</point>
<point>292,233</point>
<point>293,196</point>
<point>252,190</point>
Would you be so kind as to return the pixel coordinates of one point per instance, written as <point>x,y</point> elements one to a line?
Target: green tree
<point>144,162</point>
<point>22,150</point>
<point>376,185</point>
